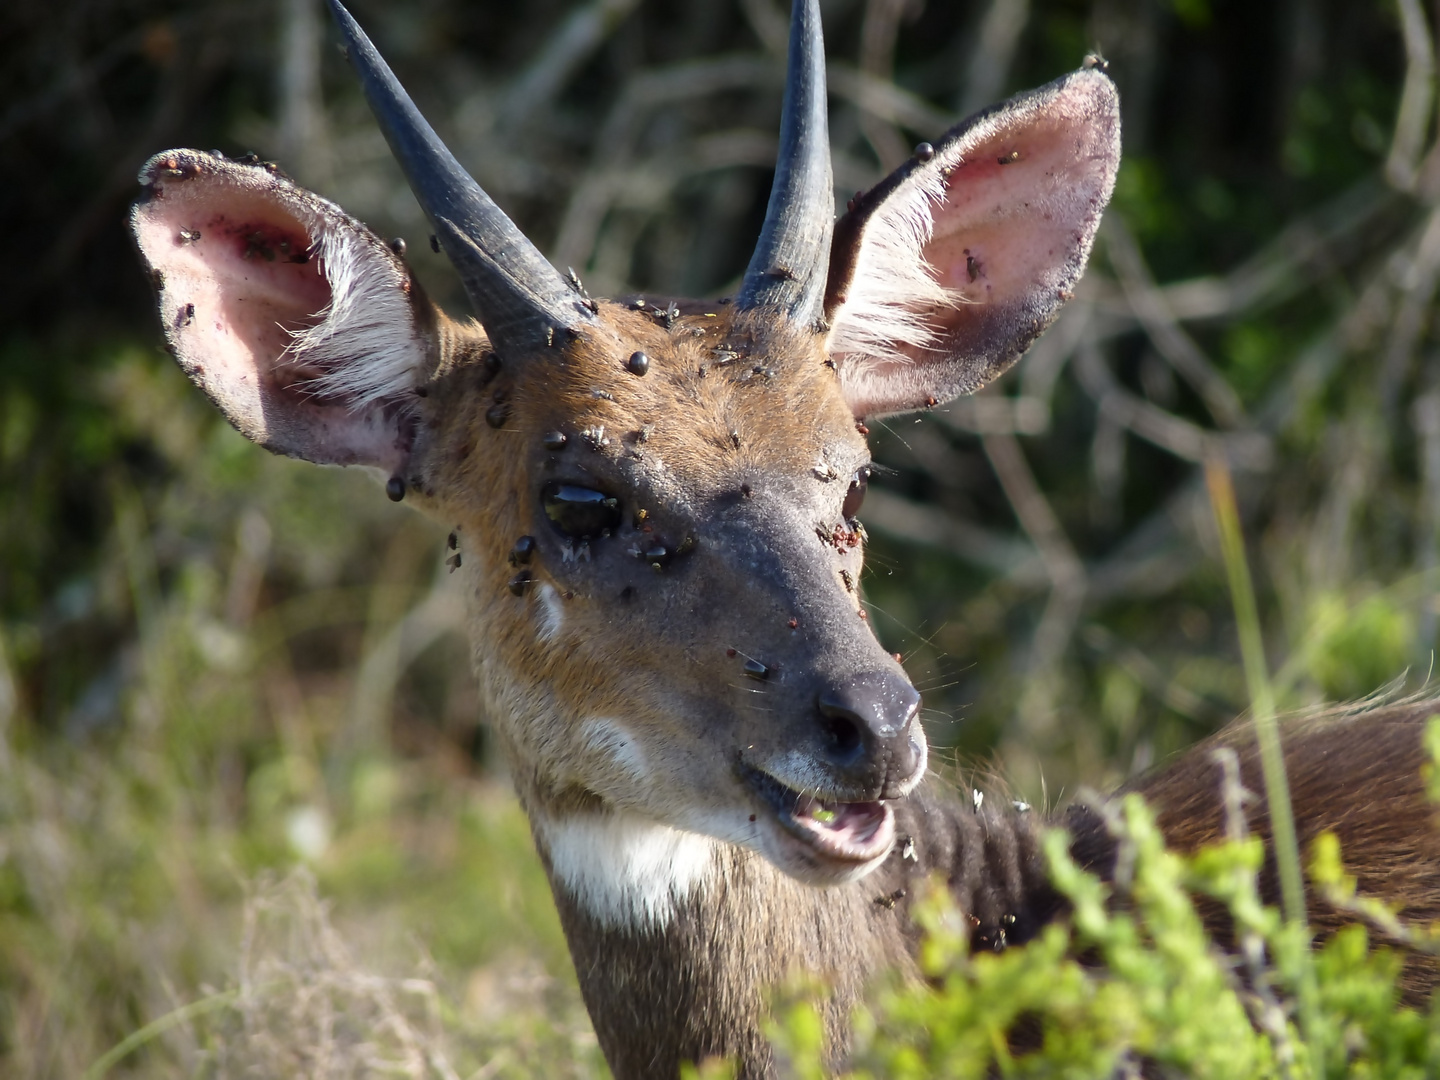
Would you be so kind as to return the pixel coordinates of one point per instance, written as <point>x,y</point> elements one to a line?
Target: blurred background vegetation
<point>216,666</point>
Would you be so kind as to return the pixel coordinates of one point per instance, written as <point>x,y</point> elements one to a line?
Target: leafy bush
<point>1152,988</point>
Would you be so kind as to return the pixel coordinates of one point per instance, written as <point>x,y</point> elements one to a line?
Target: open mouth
<point>841,834</point>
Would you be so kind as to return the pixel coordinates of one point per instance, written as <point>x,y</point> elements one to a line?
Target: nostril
<point>870,714</point>
<point>845,739</point>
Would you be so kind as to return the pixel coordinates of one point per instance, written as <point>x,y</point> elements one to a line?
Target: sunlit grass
<point>150,923</point>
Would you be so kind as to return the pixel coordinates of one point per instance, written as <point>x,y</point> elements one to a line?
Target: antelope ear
<point>947,270</point>
<point>298,322</point>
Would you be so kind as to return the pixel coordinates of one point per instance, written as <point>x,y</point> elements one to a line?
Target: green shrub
<point>1152,988</point>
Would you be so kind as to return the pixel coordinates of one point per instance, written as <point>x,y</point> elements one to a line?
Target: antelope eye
<point>855,496</point>
<point>581,513</point>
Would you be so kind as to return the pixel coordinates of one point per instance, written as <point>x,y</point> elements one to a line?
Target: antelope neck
<point>677,938</point>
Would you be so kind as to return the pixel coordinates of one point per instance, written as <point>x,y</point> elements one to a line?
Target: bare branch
<point>1316,244</point>
<point>1107,467</point>
<point>1426,417</point>
<point>1413,116</point>
<point>995,44</point>
<point>302,143</point>
<point>564,53</point>
<point>996,414</point>
<point>1047,357</point>
<point>1037,706</point>
<point>439,612</point>
<point>1418,290</point>
<point>1062,564</point>
<point>916,523</point>
<point>770,24</point>
<point>1148,674</point>
<point>883,99</point>
<point>1170,340</point>
<point>644,185</point>
<point>878,32</point>
<point>1243,449</point>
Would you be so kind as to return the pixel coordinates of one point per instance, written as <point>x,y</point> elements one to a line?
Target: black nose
<point>870,721</point>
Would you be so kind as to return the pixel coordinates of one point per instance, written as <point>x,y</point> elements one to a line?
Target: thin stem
<point>1267,734</point>
<point>156,1028</point>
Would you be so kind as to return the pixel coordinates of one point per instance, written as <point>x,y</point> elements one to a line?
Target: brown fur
<point>713,434</point>
<point>1356,773</point>
<point>677,677</point>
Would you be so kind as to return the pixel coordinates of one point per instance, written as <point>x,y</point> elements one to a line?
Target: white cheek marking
<point>614,742</point>
<point>625,870</point>
<point>552,613</point>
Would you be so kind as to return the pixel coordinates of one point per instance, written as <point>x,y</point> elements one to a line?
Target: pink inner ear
<point>1014,212</point>
<point>239,276</point>
<point>1011,199</point>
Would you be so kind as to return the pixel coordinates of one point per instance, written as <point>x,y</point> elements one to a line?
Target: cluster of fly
<point>254,160</point>
<point>994,940</point>
<point>173,170</point>
<point>520,556</point>
<point>576,553</point>
<point>758,370</point>
<point>257,243</point>
<point>725,354</point>
<point>452,544</point>
<point>842,537</point>
<point>579,286</point>
<point>655,550</point>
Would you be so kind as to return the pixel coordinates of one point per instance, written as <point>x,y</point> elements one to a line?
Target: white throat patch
<point>626,870</point>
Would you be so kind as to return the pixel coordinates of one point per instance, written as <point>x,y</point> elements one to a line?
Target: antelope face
<point>666,566</point>
<point>654,505</point>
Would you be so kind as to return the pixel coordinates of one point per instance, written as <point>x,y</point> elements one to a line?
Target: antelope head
<point>654,504</point>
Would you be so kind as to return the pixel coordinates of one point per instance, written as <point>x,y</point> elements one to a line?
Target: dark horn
<point>787,271</point>
<point>521,299</point>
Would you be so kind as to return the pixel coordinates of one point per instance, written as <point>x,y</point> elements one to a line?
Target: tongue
<point>853,822</point>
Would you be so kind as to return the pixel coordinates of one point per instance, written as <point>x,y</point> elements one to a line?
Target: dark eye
<point>580,513</point>
<point>856,495</point>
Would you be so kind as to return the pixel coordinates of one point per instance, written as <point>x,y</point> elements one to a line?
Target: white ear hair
<point>894,290</point>
<point>364,341</point>
<point>300,323</point>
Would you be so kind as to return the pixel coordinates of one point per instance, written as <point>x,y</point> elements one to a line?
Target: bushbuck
<point>654,508</point>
